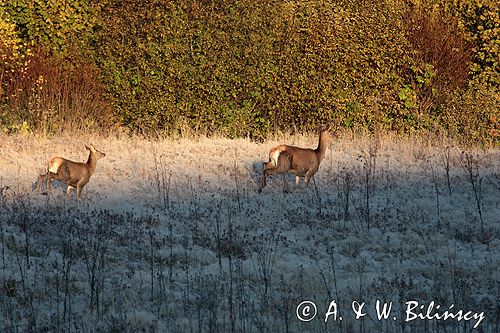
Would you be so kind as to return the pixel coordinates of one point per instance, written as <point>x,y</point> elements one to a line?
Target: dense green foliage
<point>250,68</point>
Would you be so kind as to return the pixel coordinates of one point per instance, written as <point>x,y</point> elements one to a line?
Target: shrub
<point>54,94</point>
<point>46,83</point>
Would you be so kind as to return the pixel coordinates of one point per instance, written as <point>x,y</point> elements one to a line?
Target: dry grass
<point>171,235</point>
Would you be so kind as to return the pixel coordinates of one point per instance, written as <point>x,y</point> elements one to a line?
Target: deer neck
<point>92,162</point>
<point>322,145</point>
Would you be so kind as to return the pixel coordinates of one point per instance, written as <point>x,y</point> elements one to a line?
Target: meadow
<point>171,236</point>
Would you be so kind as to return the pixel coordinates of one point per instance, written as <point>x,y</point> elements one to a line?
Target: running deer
<point>302,162</point>
<point>74,174</point>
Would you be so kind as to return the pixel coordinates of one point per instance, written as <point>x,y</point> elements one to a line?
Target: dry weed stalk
<point>369,160</point>
<point>163,178</point>
<point>446,156</point>
<point>470,164</point>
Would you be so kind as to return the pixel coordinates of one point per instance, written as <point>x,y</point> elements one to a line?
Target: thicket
<point>250,68</point>
<point>48,80</point>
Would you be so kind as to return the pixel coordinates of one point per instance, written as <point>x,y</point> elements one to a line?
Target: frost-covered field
<point>171,236</point>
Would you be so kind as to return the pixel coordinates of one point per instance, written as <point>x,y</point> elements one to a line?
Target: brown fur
<point>74,174</point>
<point>302,162</point>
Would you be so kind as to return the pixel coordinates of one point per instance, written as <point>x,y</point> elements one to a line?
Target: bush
<point>245,68</point>
<point>250,68</point>
<point>481,18</point>
<point>46,83</point>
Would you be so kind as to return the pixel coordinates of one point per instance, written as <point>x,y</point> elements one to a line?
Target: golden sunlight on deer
<point>74,174</point>
<point>302,162</point>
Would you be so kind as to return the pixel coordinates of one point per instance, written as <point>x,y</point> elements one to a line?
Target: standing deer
<point>302,162</point>
<point>74,174</point>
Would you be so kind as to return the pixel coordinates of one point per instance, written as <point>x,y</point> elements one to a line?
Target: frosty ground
<point>172,236</point>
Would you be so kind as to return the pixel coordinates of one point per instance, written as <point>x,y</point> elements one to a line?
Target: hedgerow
<point>251,68</point>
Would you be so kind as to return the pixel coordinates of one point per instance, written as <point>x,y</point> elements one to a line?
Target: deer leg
<point>41,178</point>
<point>47,180</point>
<point>283,166</point>
<point>279,170</point>
<point>263,180</point>
<point>79,188</point>
<point>297,181</point>
<point>285,184</point>
<point>267,167</point>
<point>68,190</point>
<point>309,174</point>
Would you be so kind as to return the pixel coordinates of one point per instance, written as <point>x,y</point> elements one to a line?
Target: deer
<point>74,174</point>
<point>302,162</point>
